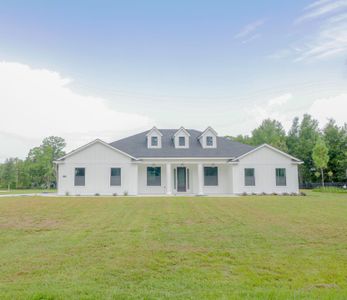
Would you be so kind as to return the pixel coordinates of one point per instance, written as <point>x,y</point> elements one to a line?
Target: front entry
<point>181,179</point>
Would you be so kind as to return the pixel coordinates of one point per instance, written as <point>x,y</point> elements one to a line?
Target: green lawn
<point>27,191</point>
<point>256,247</point>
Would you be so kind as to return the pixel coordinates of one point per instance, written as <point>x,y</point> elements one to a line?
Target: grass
<point>26,191</point>
<point>330,189</point>
<point>254,247</point>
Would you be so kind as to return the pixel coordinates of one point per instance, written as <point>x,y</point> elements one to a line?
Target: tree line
<point>323,151</point>
<point>37,170</point>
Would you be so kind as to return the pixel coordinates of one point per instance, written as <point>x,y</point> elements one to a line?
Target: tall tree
<point>320,157</point>
<point>8,174</point>
<point>293,138</point>
<point>335,138</point>
<point>307,138</point>
<point>270,132</point>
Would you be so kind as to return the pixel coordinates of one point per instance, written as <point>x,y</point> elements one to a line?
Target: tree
<point>270,132</point>
<point>307,136</point>
<point>8,174</point>
<point>335,138</point>
<point>244,139</point>
<point>320,157</point>
<point>40,161</point>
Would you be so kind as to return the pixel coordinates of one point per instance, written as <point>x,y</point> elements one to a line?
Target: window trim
<point>285,176</point>
<point>120,175</point>
<point>207,139</point>
<point>182,138</point>
<point>148,167</point>
<point>244,177</point>
<point>211,167</point>
<point>156,139</point>
<point>84,176</point>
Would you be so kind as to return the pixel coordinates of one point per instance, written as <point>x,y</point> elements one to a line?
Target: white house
<point>176,162</point>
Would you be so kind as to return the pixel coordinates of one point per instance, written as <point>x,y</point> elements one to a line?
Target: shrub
<point>115,194</point>
<point>302,194</point>
<point>254,194</point>
<point>125,193</point>
<point>97,194</point>
<point>67,193</point>
<point>285,194</point>
<point>274,194</point>
<point>263,193</point>
<point>244,194</point>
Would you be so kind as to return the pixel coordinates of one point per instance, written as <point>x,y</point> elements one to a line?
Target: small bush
<point>125,193</point>
<point>274,194</point>
<point>115,194</point>
<point>244,194</point>
<point>97,194</point>
<point>67,194</point>
<point>294,194</point>
<point>302,194</point>
<point>263,193</point>
<point>254,194</point>
<point>285,194</point>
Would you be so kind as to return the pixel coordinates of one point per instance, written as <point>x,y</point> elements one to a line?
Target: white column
<point>200,180</point>
<point>168,179</point>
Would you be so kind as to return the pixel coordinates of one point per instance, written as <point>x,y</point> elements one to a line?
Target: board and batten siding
<point>97,159</point>
<point>265,161</point>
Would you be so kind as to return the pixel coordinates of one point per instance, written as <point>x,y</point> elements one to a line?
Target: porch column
<point>200,180</point>
<point>168,179</point>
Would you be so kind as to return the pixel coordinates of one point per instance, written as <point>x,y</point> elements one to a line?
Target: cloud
<point>328,38</point>
<point>248,33</point>
<point>332,107</point>
<point>321,8</point>
<point>274,108</point>
<point>36,103</point>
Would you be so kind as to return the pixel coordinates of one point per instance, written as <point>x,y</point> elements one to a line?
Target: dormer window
<point>154,138</point>
<point>154,141</point>
<point>181,138</point>
<point>209,141</point>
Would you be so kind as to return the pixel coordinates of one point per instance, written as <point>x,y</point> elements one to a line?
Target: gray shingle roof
<point>136,146</point>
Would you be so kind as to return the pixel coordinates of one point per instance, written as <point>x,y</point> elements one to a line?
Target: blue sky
<point>227,64</point>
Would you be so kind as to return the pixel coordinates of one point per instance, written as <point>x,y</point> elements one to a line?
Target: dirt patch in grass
<point>30,224</point>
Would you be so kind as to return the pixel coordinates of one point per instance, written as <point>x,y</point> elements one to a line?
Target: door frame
<point>187,179</point>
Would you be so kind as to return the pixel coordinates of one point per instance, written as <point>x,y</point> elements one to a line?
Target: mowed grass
<point>261,247</point>
<point>26,191</point>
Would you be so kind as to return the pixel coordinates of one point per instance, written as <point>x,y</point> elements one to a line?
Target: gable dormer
<point>154,138</point>
<point>208,139</point>
<point>181,138</point>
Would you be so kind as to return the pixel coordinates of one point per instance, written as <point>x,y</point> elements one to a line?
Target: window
<point>80,178</point>
<point>153,176</point>
<point>154,141</point>
<point>249,177</point>
<point>116,178</point>
<point>209,141</point>
<point>210,176</point>
<point>181,141</point>
<point>281,177</point>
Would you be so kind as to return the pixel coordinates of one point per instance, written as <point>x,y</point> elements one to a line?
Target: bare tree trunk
<point>321,170</point>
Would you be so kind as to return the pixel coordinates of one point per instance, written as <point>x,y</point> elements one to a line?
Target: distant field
<point>254,247</point>
<point>29,191</point>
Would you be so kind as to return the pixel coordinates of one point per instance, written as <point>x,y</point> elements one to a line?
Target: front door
<point>181,179</point>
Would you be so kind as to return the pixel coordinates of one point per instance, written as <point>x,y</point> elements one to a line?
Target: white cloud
<point>274,108</point>
<point>321,8</point>
<point>36,103</point>
<point>247,33</point>
<point>333,107</point>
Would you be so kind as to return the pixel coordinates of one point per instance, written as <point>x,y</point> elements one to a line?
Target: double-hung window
<point>80,176</point>
<point>154,141</point>
<point>281,177</point>
<point>249,177</point>
<point>210,176</point>
<point>153,176</point>
<point>209,141</point>
<point>116,177</point>
<point>181,141</point>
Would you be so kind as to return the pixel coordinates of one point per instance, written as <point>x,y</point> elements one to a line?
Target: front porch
<point>184,178</point>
